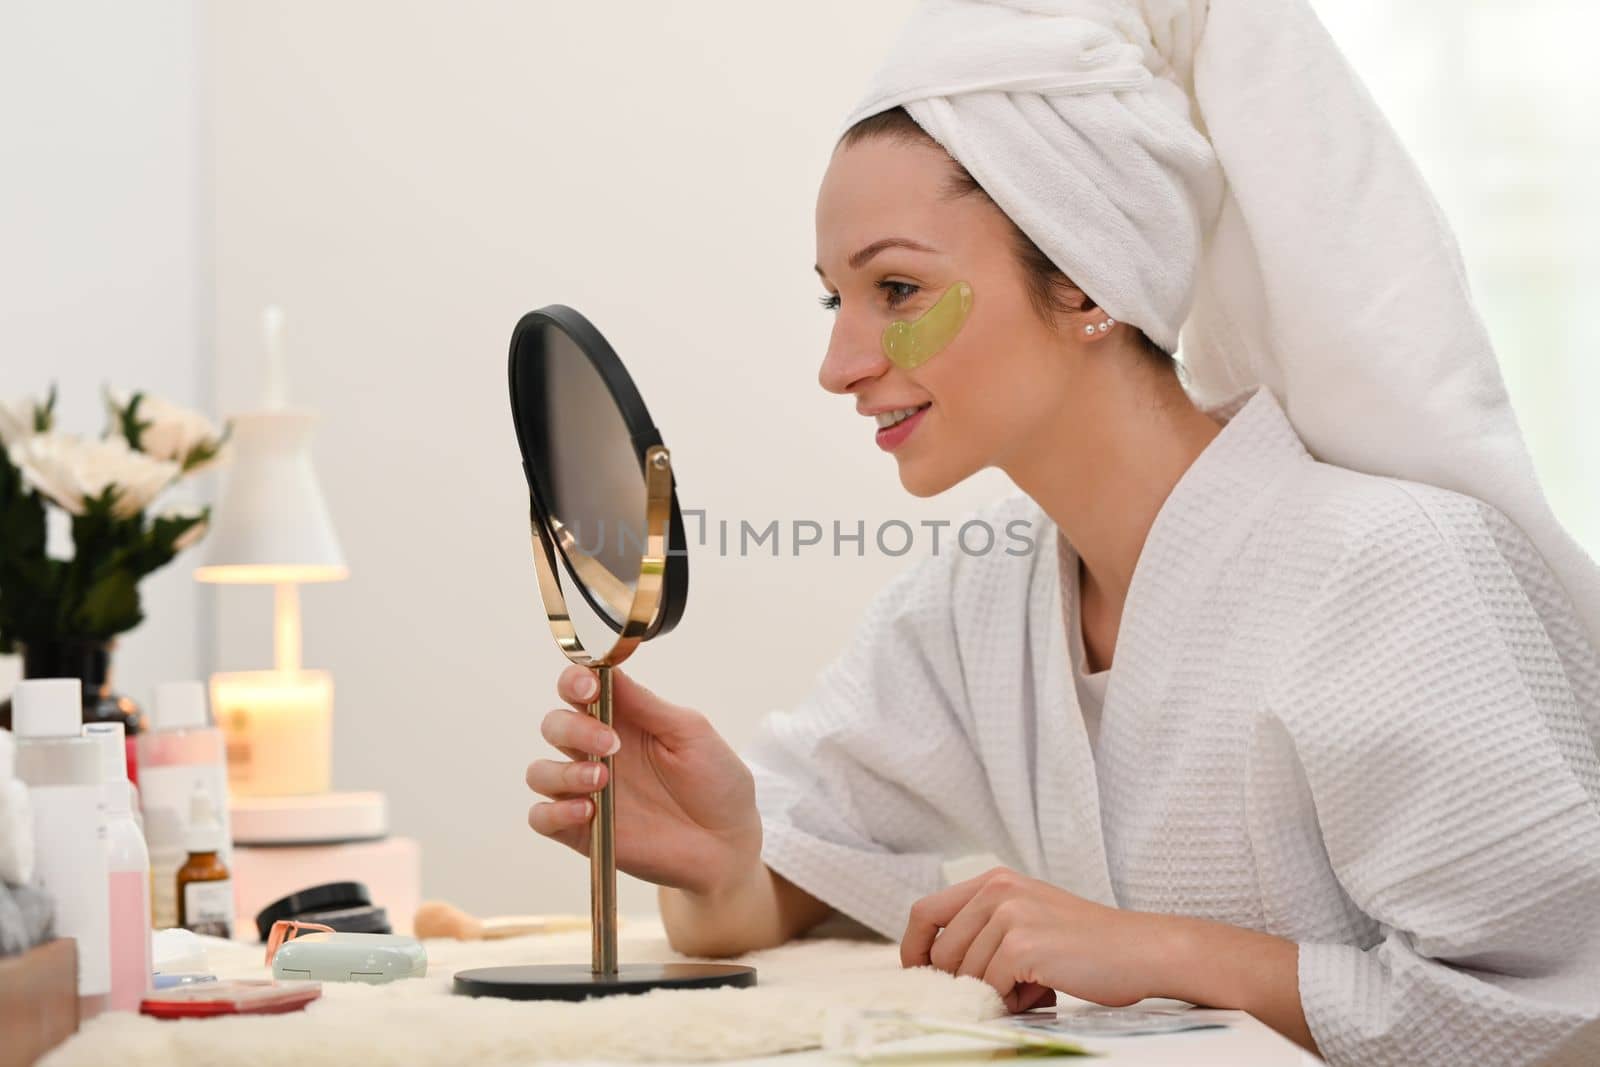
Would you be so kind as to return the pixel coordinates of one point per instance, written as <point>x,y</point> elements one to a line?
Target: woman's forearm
<point>1217,965</point>
<point>760,910</point>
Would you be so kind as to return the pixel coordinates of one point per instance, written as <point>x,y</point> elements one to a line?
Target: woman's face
<point>889,245</point>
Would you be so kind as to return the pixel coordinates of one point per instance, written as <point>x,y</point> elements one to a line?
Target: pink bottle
<point>130,873</point>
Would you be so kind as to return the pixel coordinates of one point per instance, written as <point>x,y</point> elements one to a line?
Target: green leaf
<point>44,416</point>
<point>25,577</point>
<point>22,517</point>
<point>110,605</point>
<point>159,544</point>
<point>103,545</point>
<point>167,530</point>
<point>206,451</point>
<point>28,609</point>
<point>128,422</point>
<point>200,454</point>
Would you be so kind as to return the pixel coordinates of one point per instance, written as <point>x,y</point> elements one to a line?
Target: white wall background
<point>407,178</point>
<point>103,248</point>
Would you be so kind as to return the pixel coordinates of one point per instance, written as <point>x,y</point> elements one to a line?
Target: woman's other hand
<point>1028,938</point>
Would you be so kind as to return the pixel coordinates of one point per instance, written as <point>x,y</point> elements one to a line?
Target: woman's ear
<point>1071,309</point>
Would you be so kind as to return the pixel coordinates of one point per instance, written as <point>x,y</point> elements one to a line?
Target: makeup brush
<point>436,918</point>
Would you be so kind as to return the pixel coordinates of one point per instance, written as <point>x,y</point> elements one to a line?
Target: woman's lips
<point>891,437</point>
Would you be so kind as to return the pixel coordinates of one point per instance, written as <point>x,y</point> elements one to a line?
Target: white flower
<point>16,421</point>
<point>170,432</point>
<point>72,471</point>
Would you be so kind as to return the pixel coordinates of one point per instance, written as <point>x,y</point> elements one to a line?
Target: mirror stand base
<point>564,981</point>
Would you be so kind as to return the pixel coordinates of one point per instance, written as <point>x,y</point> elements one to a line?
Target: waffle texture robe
<point>1352,711</point>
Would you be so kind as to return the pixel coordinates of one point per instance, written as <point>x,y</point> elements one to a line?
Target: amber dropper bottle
<point>205,886</point>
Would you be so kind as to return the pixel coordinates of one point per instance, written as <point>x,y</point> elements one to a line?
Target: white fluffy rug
<point>419,1021</point>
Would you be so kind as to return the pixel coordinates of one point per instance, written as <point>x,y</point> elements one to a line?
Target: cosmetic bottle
<point>130,872</point>
<point>178,750</point>
<point>163,835</point>
<point>61,768</point>
<point>16,818</point>
<point>205,886</point>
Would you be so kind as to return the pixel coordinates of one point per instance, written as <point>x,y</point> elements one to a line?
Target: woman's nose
<point>854,356</point>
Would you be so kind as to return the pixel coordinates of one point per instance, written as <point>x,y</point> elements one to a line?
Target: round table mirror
<point>603,509</point>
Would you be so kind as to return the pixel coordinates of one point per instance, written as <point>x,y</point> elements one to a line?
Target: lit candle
<point>278,727</point>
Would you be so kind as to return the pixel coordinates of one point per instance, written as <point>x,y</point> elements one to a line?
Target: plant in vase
<point>63,613</point>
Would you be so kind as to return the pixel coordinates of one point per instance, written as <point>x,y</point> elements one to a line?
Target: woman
<point>1295,716</point>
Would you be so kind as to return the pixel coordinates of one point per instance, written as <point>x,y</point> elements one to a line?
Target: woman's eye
<point>899,292</point>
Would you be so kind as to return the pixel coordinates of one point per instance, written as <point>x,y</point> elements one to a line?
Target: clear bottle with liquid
<point>164,834</point>
<point>130,872</point>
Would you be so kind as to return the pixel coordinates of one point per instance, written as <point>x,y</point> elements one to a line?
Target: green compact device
<point>373,958</point>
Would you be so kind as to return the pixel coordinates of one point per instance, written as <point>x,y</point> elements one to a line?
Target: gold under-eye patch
<point>911,344</point>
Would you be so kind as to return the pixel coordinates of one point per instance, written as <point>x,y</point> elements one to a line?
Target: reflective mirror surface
<point>583,433</point>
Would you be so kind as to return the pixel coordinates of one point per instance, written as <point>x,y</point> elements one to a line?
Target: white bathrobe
<point>1348,710</point>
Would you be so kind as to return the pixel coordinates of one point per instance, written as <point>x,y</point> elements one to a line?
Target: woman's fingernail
<point>616,743</point>
<point>587,688</point>
<point>591,774</point>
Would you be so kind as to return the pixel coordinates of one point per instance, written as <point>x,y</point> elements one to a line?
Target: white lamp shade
<point>272,524</point>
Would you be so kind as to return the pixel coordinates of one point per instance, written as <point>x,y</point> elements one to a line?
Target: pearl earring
<point>1102,328</point>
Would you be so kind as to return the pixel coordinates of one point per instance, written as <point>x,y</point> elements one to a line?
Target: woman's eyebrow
<point>859,259</point>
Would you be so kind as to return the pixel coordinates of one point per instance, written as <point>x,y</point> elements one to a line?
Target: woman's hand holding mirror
<point>685,802</point>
